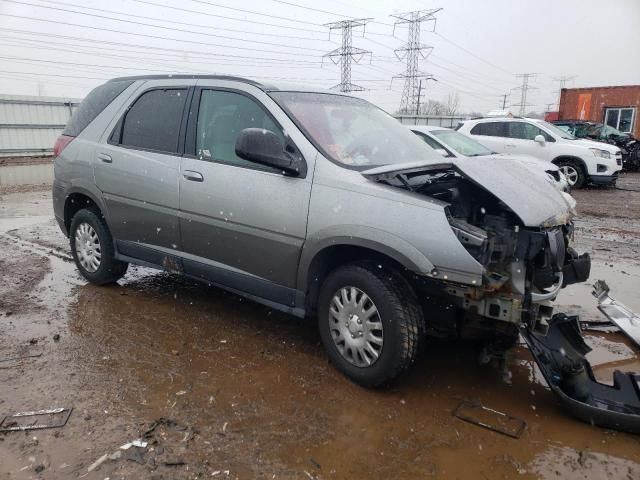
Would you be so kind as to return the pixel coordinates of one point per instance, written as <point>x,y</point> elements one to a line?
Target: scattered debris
<point>474,412</point>
<point>134,443</point>
<point>98,462</point>
<point>173,463</point>
<point>56,337</point>
<point>39,468</point>
<point>560,354</point>
<point>10,423</point>
<point>621,315</point>
<point>136,454</point>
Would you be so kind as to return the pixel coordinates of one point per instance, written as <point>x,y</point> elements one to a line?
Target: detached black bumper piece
<point>561,357</point>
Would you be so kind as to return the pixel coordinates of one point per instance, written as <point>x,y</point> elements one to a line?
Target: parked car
<point>582,161</point>
<point>315,203</point>
<point>629,146</point>
<point>450,143</point>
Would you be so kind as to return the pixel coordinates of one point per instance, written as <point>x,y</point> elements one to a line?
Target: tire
<point>573,171</point>
<point>96,261</point>
<point>398,312</point>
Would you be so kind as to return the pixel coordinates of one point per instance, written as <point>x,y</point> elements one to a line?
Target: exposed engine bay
<point>524,267</point>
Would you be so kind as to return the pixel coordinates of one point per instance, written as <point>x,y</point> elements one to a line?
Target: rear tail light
<point>61,144</point>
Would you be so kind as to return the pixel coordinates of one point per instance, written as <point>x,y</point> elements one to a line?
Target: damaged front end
<point>523,243</point>
<point>524,251</point>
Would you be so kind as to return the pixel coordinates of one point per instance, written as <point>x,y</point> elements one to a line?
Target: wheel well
<point>335,256</point>
<point>74,203</point>
<point>577,160</point>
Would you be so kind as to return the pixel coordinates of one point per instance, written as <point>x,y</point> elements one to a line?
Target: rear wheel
<point>92,248</point>
<point>369,322</point>
<point>573,171</point>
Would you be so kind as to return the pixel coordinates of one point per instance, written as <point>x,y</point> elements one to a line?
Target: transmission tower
<point>524,89</point>
<point>562,81</point>
<point>347,53</point>
<point>412,51</point>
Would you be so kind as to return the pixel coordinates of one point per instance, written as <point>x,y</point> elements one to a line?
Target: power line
<point>282,61</point>
<point>190,24</point>
<point>157,37</point>
<point>347,53</point>
<point>93,15</point>
<point>471,53</point>
<point>412,51</point>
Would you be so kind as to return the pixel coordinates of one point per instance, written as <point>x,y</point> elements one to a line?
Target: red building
<point>615,106</point>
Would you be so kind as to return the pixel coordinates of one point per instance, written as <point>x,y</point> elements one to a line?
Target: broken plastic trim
<point>560,354</point>
<point>619,314</point>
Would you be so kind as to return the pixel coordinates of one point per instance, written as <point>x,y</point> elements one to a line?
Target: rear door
<point>243,224</point>
<point>520,140</point>
<point>491,135</point>
<point>138,171</point>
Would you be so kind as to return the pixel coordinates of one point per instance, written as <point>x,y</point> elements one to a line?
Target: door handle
<point>105,158</point>
<point>193,176</point>
<point>510,145</point>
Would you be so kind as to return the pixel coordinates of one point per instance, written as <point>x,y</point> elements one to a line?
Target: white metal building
<point>30,125</point>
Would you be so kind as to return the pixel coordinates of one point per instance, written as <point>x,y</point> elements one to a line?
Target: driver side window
<point>221,117</point>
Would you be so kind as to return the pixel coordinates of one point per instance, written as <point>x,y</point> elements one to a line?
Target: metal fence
<point>29,125</point>
<point>449,121</point>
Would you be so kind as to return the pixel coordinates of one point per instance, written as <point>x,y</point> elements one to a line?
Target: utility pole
<point>419,95</point>
<point>524,89</point>
<point>562,81</point>
<point>347,52</point>
<point>412,51</point>
<point>504,100</point>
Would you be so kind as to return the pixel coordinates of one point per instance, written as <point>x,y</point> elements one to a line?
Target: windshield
<point>607,131</point>
<point>352,131</point>
<point>461,143</point>
<point>556,131</point>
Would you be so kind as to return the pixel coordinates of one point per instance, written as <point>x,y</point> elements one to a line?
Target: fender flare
<point>374,239</point>
<point>90,190</point>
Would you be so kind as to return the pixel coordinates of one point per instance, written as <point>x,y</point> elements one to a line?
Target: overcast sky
<point>479,46</point>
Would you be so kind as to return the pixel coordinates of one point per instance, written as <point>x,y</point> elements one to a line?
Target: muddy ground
<point>236,390</point>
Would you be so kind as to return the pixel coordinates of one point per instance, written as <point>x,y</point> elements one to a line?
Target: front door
<point>520,140</point>
<point>138,171</point>
<point>242,224</point>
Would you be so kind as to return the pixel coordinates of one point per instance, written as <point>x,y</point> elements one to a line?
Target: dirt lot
<point>221,387</point>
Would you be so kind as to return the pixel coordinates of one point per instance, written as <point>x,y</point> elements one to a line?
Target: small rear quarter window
<point>93,104</point>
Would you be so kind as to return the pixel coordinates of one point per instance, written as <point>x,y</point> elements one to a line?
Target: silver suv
<point>315,203</point>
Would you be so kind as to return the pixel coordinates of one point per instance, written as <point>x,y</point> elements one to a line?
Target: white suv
<point>582,161</point>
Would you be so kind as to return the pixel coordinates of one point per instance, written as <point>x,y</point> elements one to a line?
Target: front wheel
<point>92,248</point>
<point>573,171</point>
<point>370,323</point>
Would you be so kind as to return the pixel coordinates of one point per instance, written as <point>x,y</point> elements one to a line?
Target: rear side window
<point>93,104</point>
<point>153,121</point>
<point>490,129</point>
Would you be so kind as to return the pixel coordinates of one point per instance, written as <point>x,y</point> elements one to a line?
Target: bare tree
<point>433,107</point>
<point>451,104</point>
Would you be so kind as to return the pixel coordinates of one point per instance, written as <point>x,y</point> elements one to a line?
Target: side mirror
<point>539,139</point>
<point>265,147</point>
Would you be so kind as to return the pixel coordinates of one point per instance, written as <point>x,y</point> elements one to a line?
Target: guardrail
<point>449,121</point>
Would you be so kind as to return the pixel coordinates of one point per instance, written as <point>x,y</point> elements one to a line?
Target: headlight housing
<point>600,153</point>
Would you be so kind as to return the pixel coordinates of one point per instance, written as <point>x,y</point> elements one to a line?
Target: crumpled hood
<point>533,198</point>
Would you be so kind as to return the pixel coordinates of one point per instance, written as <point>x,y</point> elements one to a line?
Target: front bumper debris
<point>560,354</point>
<point>619,314</point>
